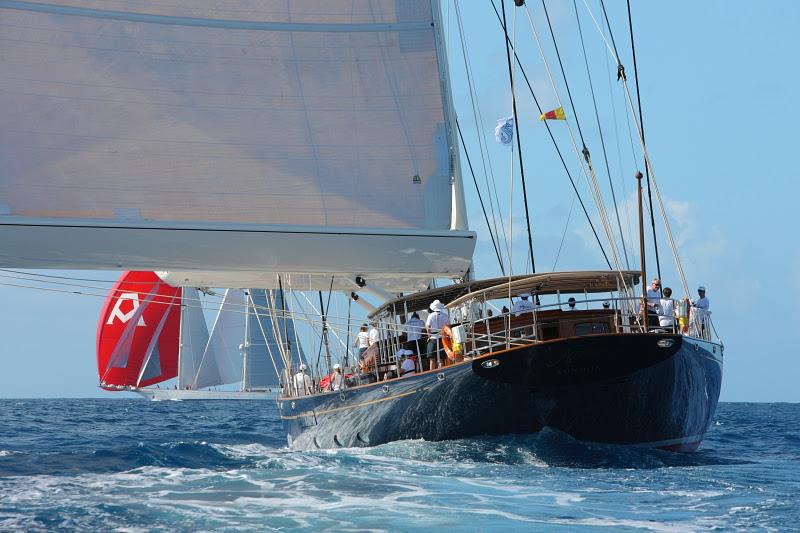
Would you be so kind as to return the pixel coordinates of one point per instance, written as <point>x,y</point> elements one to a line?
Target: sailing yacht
<point>307,146</point>
<point>153,340</point>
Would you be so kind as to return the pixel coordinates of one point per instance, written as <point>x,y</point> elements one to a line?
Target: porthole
<point>490,363</point>
<point>665,343</point>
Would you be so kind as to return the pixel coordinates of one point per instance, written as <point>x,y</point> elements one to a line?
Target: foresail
<point>231,136</point>
<point>194,337</point>
<point>271,340</point>
<point>222,360</point>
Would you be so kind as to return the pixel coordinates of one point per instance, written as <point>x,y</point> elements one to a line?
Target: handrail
<point>484,333</point>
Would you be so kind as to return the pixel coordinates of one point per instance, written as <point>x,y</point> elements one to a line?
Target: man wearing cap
<point>337,380</point>
<point>302,381</point>
<point>437,319</point>
<point>702,306</point>
<point>523,305</point>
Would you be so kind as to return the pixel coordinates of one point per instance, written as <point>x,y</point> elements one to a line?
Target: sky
<point>718,83</point>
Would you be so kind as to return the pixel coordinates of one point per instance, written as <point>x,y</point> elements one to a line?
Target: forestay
<point>237,136</point>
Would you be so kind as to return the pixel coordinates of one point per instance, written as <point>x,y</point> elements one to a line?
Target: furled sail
<point>289,137</point>
<point>270,338</point>
<point>137,335</point>
<point>221,363</point>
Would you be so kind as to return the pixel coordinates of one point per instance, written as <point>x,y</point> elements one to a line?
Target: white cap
<point>303,367</point>
<point>525,295</point>
<point>701,288</point>
<point>337,365</point>
<point>436,305</point>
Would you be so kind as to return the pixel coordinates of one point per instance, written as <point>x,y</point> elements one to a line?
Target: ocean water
<point>133,465</point>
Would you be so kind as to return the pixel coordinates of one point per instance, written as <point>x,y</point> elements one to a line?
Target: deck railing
<point>485,332</point>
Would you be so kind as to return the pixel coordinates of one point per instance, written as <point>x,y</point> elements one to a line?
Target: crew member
<point>337,380</point>
<point>362,341</point>
<point>437,319</point>
<point>523,305</point>
<point>666,310</point>
<point>414,329</point>
<point>302,381</point>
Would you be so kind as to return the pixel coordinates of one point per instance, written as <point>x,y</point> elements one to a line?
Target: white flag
<point>504,131</point>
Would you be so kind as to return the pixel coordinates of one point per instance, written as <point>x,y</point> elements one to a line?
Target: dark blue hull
<point>654,390</point>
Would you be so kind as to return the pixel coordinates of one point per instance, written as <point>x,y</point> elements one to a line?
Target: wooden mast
<point>641,249</point>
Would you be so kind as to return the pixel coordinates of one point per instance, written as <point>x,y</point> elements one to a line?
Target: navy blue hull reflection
<point>649,389</point>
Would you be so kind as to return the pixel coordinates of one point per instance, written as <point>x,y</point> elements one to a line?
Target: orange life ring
<point>447,343</point>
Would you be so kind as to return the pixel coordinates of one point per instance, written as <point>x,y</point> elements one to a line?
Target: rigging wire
<point>602,140</point>
<point>591,178</point>
<point>555,144</point>
<point>647,161</point>
<point>488,171</point>
<point>620,165</point>
<point>641,126</point>
<point>564,235</point>
<point>519,144</point>
<point>480,198</point>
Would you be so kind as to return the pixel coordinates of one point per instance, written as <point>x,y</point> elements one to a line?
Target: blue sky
<point>718,82</point>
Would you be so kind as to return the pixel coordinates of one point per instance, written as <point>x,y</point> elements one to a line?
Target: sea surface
<point>133,465</point>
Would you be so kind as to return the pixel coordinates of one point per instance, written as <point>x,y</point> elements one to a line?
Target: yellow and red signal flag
<point>555,114</point>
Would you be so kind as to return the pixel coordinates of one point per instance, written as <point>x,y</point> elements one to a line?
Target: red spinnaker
<point>139,307</point>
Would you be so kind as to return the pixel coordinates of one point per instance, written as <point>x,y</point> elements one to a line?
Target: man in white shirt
<point>666,310</point>
<point>437,319</point>
<point>302,381</point>
<point>653,300</point>
<point>337,380</point>
<point>701,306</point>
<point>362,341</point>
<point>523,305</point>
<point>414,329</point>
<point>373,334</point>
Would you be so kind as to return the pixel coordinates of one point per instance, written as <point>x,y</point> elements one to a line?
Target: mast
<point>180,342</point>
<point>641,248</point>
<point>246,344</point>
<point>328,360</point>
<point>458,213</point>
<point>519,143</point>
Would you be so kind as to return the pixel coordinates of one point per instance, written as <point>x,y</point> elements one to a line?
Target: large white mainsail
<point>242,137</point>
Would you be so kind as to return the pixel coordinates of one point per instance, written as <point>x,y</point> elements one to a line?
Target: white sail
<point>222,360</point>
<point>194,337</point>
<point>235,136</point>
<point>264,348</point>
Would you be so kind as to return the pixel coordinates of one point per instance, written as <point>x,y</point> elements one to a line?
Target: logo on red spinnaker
<point>138,332</point>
